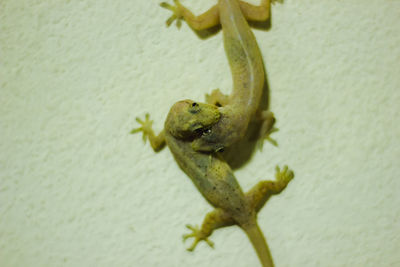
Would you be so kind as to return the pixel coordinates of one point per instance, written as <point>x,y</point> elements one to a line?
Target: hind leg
<point>257,13</point>
<point>213,220</point>
<point>267,121</point>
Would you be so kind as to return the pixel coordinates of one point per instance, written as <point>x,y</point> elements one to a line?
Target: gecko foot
<point>285,175</point>
<point>146,127</point>
<point>268,137</point>
<point>217,98</point>
<point>176,13</point>
<point>198,236</point>
<point>267,120</point>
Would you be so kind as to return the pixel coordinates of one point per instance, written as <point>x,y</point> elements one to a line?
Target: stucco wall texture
<point>76,189</point>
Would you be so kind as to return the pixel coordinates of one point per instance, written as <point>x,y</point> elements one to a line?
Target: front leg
<point>217,98</point>
<point>157,142</point>
<point>204,21</point>
<point>261,192</point>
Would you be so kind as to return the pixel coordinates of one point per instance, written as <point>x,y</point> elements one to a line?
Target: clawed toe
<point>145,126</point>
<point>176,13</point>
<point>198,236</point>
<point>284,175</point>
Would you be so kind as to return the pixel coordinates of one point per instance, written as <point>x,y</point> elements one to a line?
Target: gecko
<point>187,121</point>
<point>245,60</point>
<point>214,178</point>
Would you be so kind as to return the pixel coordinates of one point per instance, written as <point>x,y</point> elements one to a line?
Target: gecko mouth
<point>207,143</point>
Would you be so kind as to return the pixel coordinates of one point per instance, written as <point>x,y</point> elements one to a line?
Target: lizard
<point>188,123</point>
<point>214,178</point>
<point>245,60</point>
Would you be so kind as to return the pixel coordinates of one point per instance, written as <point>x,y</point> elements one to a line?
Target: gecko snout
<point>187,118</point>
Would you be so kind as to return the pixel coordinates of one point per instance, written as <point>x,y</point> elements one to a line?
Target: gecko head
<point>188,119</point>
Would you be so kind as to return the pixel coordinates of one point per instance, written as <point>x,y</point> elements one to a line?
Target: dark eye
<point>207,132</point>
<point>195,108</point>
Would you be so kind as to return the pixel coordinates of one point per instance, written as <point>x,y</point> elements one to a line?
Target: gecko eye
<point>207,132</point>
<point>220,149</point>
<point>195,108</point>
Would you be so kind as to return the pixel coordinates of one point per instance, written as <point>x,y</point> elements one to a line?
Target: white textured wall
<point>77,190</point>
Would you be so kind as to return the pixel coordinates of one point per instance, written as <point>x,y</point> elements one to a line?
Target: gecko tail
<point>259,243</point>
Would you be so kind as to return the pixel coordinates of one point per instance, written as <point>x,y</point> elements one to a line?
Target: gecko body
<point>214,178</point>
<point>195,131</point>
<point>244,57</point>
